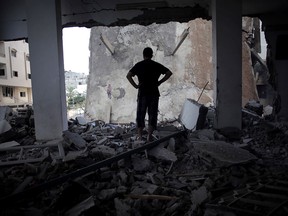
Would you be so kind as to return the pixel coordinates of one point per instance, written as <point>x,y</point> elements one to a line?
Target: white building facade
<point>15,74</point>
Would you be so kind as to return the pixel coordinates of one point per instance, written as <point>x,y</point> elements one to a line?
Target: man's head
<point>147,53</point>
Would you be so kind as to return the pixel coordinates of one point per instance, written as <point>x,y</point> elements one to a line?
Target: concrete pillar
<point>47,68</point>
<point>227,62</point>
<point>278,64</point>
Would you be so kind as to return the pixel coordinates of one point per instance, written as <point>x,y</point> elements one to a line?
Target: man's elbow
<point>129,75</point>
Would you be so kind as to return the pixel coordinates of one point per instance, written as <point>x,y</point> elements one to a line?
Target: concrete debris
<point>255,107</point>
<point>199,196</point>
<point>75,139</point>
<point>178,176</point>
<point>162,154</point>
<point>81,120</point>
<point>9,144</point>
<point>223,152</point>
<point>4,126</point>
<point>81,207</point>
<point>104,150</point>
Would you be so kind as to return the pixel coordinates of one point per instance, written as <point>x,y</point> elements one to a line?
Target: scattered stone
<point>75,139</point>
<point>162,154</point>
<point>224,152</point>
<point>107,194</point>
<point>104,150</point>
<point>122,208</point>
<point>8,144</point>
<point>4,126</point>
<point>171,145</point>
<point>198,196</point>
<point>141,164</point>
<point>81,120</point>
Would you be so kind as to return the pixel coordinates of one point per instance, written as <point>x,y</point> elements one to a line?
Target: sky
<point>76,49</point>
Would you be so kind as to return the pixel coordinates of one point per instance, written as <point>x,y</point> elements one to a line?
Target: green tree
<point>74,99</point>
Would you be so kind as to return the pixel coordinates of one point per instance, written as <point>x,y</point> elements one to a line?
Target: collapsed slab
<point>223,152</point>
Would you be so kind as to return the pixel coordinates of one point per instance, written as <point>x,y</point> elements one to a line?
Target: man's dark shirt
<point>148,73</point>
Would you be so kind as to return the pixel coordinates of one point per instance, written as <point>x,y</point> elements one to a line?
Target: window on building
<point>15,73</point>
<point>22,94</point>
<point>29,76</point>
<point>14,52</point>
<point>7,91</point>
<point>27,58</point>
<point>79,83</point>
<point>2,72</point>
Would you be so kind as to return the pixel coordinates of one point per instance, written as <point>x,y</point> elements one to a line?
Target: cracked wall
<point>111,98</point>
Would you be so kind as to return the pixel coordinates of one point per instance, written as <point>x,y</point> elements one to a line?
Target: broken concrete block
<point>102,141</point>
<point>118,131</point>
<point>75,139</point>
<point>224,153</point>
<point>267,110</point>
<point>5,112</point>
<point>4,126</point>
<point>81,120</point>
<point>123,176</point>
<point>138,143</point>
<point>24,184</point>
<point>156,178</point>
<point>81,207</point>
<point>122,189</point>
<point>151,188</point>
<point>255,107</point>
<point>9,144</point>
<point>122,208</point>
<point>171,145</point>
<point>72,155</point>
<point>107,194</point>
<point>138,190</point>
<point>104,150</point>
<point>199,196</point>
<point>206,134</point>
<point>141,165</point>
<point>162,154</point>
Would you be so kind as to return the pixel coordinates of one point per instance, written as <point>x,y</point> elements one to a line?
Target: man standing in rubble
<point>148,73</point>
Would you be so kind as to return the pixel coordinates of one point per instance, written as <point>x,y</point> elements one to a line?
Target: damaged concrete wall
<point>249,90</point>
<point>111,98</point>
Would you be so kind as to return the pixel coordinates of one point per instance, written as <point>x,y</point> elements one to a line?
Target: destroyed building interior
<point>221,149</point>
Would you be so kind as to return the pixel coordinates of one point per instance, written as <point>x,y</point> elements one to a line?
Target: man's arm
<point>166,77</point>
<point>130,79</point>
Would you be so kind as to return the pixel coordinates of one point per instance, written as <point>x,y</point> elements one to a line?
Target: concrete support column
<point>47,68</point>
<point>227,62</point>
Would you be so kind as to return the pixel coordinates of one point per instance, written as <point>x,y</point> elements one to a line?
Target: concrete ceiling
<point>89,13</point>
<point>123,12</point>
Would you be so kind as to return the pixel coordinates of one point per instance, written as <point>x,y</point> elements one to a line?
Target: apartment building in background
<point>15,74</point>
<point>77,81</point>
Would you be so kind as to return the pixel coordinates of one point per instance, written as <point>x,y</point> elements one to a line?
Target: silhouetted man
<point>148,73</point>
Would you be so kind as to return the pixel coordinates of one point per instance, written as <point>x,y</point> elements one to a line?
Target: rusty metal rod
<point>77,173</point>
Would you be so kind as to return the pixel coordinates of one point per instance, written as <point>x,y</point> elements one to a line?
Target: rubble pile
<point>101,168</point>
